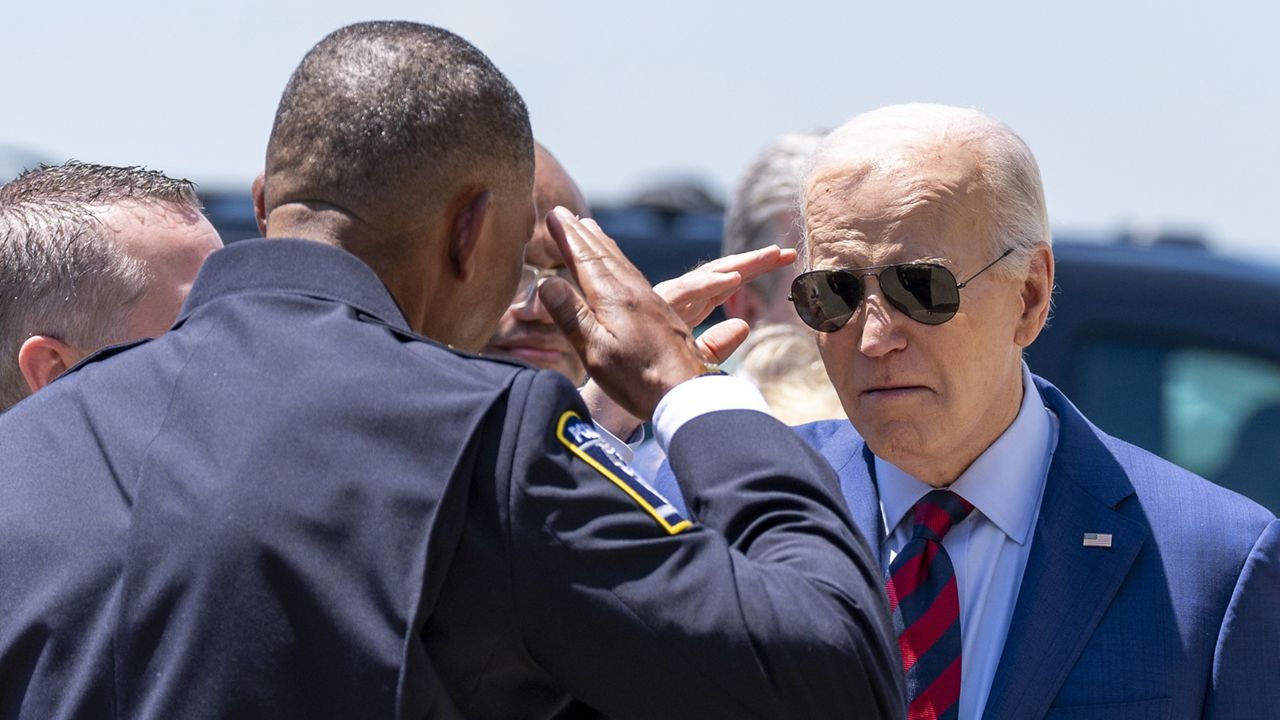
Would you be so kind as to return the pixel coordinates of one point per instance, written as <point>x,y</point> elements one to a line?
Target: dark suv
<point>1175,349</point>
<point>1167,345</point>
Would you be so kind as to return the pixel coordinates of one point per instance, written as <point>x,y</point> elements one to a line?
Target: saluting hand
<point>630,340</point>
<point>696,293</point>
<point>693,296</point>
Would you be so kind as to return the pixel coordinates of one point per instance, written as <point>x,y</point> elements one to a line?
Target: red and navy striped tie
<point>926,609</point>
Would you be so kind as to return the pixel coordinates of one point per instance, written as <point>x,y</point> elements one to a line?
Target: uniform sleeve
<point>1249,636</point>
<point>664,481</point>
<point>769,607</point>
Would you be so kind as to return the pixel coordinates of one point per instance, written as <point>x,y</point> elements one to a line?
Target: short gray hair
<point>62,274</point>
<point>770,185</point>
<point>1007,169</point>
<point>376,107</point>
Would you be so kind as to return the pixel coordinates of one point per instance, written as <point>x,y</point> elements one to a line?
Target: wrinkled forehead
<point>896,209</point>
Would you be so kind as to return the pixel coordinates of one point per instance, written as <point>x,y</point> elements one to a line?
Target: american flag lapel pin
<point>1102,540</point>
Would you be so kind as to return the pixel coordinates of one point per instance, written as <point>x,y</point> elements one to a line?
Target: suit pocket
<point>1158,709</point>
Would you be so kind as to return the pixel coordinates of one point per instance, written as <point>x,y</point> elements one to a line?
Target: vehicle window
<point>1213,398</point>
<point>1214,412</point>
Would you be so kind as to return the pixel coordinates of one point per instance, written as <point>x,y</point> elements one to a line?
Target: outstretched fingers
<point>754,263</point>
<point>569,312</point>
<point>591,255</point>
<point>696,293</point>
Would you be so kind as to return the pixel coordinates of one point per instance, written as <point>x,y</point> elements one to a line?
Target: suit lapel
<point>847,453</point>
<point>1067,587</point>
<point>858,480</point>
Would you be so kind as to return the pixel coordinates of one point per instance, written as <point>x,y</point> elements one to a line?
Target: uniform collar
<point>1004,483</point>
<point>304,267</point>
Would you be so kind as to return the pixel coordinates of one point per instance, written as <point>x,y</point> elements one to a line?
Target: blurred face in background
<point>526,332</point>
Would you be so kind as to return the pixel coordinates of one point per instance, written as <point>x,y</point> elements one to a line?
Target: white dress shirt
<point>702,395</point>
<point>989,548</point>
<point>689,399</point>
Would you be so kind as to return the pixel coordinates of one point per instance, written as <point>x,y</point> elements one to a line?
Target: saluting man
<point>309,500</point>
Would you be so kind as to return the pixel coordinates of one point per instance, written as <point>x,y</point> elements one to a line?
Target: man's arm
<point>1244,662</point>
<point>771,607</point>
<point>693,296</point>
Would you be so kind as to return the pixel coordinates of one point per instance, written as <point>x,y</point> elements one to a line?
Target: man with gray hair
<point>90,255</point>
<point>764,211</point>
<point>1069,569</point>
<point>1036,567</point>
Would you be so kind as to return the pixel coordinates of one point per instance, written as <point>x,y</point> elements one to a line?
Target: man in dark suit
<point>295,504</point>
<point>1036,567</point>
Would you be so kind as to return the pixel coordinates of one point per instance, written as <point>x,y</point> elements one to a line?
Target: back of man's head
<point>68,272</point>
<point>381,118</point>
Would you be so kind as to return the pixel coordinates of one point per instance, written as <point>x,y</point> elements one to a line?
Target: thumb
<point>720,340</point>
<point>569,312</point>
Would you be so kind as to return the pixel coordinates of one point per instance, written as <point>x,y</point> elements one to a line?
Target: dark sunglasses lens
<point>925,293</point>
<point>826,299</point>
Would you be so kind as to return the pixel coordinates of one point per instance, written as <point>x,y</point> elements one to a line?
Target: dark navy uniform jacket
<point>291,506</point>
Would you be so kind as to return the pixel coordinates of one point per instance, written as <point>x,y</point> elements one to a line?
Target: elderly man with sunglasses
<point>1036,567</point>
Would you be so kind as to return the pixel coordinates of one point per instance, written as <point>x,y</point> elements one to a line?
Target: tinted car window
<point>1175,349</point>
<point>1214,412</point>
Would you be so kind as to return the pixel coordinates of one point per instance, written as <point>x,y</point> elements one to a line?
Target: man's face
<point>506,229</point>
<point>929,399</point>
<point>527,333</point>
<point>172,243</point>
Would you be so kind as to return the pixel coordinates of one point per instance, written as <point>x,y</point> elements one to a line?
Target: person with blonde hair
<point>783,362</point>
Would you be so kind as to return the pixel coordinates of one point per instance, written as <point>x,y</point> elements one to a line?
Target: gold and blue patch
<point>583,440</point>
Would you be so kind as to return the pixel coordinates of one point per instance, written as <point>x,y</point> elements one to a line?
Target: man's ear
<point>743,304</point>
<point>42,359</point>
<point>259,192</point>
<point>1036,294</point>
<point>465,230</point>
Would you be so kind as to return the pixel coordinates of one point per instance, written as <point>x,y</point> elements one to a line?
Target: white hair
<point>898,135</point>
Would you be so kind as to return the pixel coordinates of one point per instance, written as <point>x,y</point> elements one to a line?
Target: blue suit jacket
<point>1179,618</point>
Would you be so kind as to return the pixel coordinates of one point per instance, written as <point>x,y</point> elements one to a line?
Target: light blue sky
<point>1147,114</point>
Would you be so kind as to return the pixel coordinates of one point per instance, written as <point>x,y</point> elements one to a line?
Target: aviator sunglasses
<point>925,292</point>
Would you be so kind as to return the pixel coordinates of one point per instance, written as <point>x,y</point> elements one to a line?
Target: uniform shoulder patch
<point>583,440</point>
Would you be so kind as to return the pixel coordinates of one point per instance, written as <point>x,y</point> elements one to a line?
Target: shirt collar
<point>1004,483</point>
<point>305,267</point>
